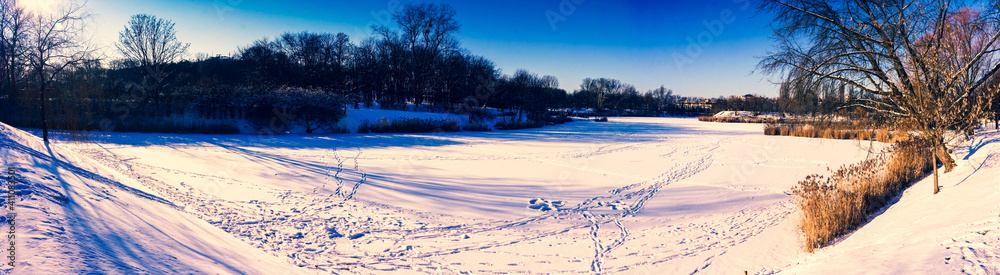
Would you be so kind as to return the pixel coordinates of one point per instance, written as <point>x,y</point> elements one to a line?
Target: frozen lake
<point>636,194</point>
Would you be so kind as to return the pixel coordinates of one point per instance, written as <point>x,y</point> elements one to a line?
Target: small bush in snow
<point>477,127</point>
<point>280,109</point>
<point>408,125</point>
<point>170,126</point>
<point>556,120</point>
<point>313,116</point>
<point>481,115</point>
<point>517,125</point>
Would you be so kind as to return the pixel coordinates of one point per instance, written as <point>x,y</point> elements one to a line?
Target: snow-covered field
<point>633,196</point>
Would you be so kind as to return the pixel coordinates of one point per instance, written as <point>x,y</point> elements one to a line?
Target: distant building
<point>695,103</point>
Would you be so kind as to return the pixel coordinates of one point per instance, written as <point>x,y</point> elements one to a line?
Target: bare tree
<point>923,62</point>
<point>604,88</point>
<point>664,98</point>
<point>6,6</point>
<point>341,52</point>
<point>550,81</point>
<point>428,31</point>
<point>55,44</point>
<point>151,43</point>
<point>13,34</point>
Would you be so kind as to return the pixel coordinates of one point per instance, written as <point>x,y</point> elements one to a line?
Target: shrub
<point>477,127</point>
<point>391,105</point>
<point>829,131</point>
<point>277,110</point>
<point>828,134</point>
<point>734,119</point>
<point>833,206</point>
<point>408,125</point>
<point>365,127</point>
<point>556,120</point>
<point>517,125</point>
<point>883,135</point>
<point>480,115</point>
<point>170,126</point>
<point>314,116</point>
<point>262,116</point>
<point>772,130</point>
<point>338,129</point>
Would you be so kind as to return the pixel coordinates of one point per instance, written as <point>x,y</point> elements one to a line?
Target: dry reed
<point>738,119</point>
<point>829,131</point>
<point>835,205</point>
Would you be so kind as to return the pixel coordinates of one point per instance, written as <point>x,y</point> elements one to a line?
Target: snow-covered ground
<point>77,216</point>
<point>633,196</point>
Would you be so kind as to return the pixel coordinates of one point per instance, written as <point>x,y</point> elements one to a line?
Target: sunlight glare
<point>38,6</point>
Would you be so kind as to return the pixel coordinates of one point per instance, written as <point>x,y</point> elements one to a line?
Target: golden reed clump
<point>738,119</point>
<point>833,206</point>
<point>829,131</point>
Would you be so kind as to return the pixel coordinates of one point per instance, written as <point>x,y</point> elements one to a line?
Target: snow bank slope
<point>956,231</point>
<point>75,216</point>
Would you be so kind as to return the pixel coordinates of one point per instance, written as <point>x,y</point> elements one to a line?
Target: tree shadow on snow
<point>986,139</point>
<point>101,247</point>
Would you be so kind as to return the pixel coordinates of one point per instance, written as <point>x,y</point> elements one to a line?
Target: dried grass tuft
<point>835,205</point>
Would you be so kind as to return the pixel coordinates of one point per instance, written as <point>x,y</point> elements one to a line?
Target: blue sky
<point>696,48</point>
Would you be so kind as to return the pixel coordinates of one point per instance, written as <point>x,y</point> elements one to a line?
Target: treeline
<point>824,98</point>
<point>795,96</point>
<point>305,78</point>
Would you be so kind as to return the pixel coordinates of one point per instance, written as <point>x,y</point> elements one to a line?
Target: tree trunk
<point>156,99</point>
<point>12,97</point>
<point>935,165</point>
<point>11,82</point>
<point>3,70</point>
<point>942,154</point>
<point>41,96</point>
